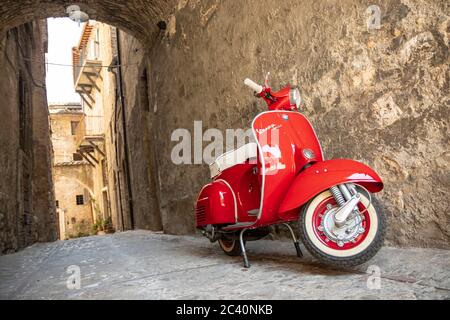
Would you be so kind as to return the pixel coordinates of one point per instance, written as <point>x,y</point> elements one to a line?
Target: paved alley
<point>146,265</point>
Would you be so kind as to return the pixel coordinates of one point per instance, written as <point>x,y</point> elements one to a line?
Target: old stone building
<point>376,95</point>
<point>72,174</point>
<point>27,210</point>
<point>95,83</point>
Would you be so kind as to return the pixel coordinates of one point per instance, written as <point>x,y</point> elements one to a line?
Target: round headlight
<point>295,98</point>
<point>308,154</point>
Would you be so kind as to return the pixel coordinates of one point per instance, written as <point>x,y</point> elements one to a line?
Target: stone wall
<point>378,96</point>
<point>137,17</point>
<point>140,138</point>
<point>27,211</point>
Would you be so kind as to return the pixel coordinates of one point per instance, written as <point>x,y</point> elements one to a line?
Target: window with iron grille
<point>73,127</point>
<point>80,200</point>
<point>24,115</point>
<point>97,44</point>
<point>77,157</point>
<point>57,203</point>
<point>104,173</point>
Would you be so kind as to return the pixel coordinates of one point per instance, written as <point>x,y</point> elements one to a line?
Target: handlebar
<point>287,98</point>
<point>253,85</point>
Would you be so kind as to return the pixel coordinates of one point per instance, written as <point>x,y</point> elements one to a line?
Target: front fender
<point>323,175</point>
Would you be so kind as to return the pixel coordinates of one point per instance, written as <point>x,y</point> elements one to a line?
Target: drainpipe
<point>124,128</point>
<point>116,146</point>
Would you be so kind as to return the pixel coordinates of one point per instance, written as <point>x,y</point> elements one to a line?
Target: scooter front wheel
<point>352,244</point>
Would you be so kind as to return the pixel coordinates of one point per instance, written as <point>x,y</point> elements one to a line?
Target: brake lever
<point>266,80</point>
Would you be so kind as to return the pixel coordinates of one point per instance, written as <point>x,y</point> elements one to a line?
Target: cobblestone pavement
<point>146,265</point>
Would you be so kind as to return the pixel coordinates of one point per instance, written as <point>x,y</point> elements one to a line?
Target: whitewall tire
<point>356,252</point>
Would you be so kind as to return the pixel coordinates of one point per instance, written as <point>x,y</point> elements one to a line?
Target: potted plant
<point>99,227</point>
<point>108,226</point>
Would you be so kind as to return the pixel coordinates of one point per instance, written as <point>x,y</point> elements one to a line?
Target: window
<point>111,132</point>
<point>57,203</point>
<point>24,115</point>
<point>104,173</point>
<point>80,200</point>
<point>73,127</point>
<point>97,44</point>
<point>143,91</point>
<point>77,157</point>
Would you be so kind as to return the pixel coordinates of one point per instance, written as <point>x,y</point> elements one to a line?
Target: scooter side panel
<point>246,187</point>
<point>216,204</point>
<point>323,175</point>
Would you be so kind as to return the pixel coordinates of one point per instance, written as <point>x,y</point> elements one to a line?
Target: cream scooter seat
<point>233,157</point>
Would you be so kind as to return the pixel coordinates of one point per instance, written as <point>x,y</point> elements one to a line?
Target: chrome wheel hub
<point>348,232</point>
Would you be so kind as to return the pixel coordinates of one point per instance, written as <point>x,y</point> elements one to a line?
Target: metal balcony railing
<point>89,127</point>
<point>77,68</point>
<point>86,71</point>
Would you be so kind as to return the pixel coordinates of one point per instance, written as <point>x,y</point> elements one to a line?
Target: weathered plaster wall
<point>64,143</point>
<point>381,96</point>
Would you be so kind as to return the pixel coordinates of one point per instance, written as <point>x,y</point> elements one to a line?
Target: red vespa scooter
<point>282,177</point>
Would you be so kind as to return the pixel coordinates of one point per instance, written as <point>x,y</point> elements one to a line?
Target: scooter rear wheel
<point>230,245</point>
<point>361,247</point>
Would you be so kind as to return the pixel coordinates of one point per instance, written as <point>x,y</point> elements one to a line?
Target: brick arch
<point>137,17</point>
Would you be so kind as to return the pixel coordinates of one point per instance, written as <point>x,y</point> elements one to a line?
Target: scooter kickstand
<point>296,243</point>
<point>244,253</point>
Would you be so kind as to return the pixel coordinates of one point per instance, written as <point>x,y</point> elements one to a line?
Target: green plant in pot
<point>108,226</point>
<point>99,227</point>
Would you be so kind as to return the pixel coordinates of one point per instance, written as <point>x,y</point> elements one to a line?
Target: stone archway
<point>136,17</point>
<point>23,36</point>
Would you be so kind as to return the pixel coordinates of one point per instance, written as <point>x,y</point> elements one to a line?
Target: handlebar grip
<point>256,87</point>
